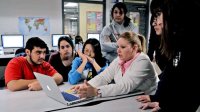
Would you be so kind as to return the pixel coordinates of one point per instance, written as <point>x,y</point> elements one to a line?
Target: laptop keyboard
<point>69,97</point>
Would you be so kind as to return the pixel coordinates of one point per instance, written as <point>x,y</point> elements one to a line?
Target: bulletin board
<point>94,21</point>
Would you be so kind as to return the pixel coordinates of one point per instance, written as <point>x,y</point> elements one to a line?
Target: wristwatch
<point>99,94</point>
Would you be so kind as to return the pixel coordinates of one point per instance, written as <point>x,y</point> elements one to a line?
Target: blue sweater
<point>74,76</point>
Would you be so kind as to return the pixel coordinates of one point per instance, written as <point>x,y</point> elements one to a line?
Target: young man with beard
<point>19,71</point>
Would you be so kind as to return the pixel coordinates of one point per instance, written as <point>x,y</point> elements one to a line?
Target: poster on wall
<point>34,26</point>
<point>94,22</point>
<point>135,19</point>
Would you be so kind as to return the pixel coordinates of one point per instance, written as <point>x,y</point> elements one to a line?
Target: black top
<point>179,86</point>
<point>154,46</point>
<point>56,62</point>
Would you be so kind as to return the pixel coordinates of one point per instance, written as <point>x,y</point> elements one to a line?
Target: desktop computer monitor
<point>55,38</point>
<point>93,35</point>
<point>12,40</point>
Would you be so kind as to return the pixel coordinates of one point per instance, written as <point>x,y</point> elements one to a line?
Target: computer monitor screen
<point>55,38</point>
<point>93,35</point>
<point>12,40</point>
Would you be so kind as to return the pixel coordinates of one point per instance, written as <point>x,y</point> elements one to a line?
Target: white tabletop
<point>128,104</point>
<point>7,56</point>
<point>27,101</point>
<point>38,101</point>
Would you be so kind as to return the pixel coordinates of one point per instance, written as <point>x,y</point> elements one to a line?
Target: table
<point>7,56</point>
<point>27,101</point>
<point>120,105</point>
<point>38,101</point>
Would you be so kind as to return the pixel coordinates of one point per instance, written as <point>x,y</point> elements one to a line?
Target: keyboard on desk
<point>69,97</point>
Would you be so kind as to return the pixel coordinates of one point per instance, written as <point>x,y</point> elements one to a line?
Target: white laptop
<point>50,87</point>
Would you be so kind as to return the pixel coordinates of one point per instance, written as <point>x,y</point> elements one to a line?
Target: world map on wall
<point>34,26</point>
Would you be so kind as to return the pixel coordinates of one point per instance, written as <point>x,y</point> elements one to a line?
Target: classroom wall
<point>10,10</point>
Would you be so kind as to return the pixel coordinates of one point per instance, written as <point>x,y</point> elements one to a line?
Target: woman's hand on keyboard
<point>86,90</point>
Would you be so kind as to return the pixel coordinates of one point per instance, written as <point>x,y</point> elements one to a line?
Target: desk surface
<point>7,56</point>
<point>27,101</point>
<point>38,101</point>
<point>120,105</point>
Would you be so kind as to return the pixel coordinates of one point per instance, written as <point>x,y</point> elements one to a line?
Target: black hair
<point>154,40</point>
<point>174,25</point>
<point>35,42</point>
<point>68,39</point>
<point>20,52</point>
<point>78,39</point>
<point>121,6</point>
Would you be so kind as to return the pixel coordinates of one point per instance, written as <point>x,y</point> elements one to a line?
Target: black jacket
<point>179,86</point>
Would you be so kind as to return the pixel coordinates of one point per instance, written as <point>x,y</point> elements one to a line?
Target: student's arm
<point>21,84</point>
<point>14,78</point>
<point>106,44</point>
<point>58,78</point>
<point>51,71</point>
<point>74,76</point>
<point>137,77</point>
<point>96,65</point>
<point>84,61</point>
<point>35,86</point>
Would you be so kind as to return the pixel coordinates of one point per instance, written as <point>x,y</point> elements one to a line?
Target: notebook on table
<point>51,89</point>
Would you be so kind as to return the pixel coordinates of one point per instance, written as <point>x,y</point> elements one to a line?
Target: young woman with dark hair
<point>174,92</point>
<point>110,33</point>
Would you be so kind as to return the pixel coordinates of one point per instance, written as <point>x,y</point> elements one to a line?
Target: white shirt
<point>139,76</point>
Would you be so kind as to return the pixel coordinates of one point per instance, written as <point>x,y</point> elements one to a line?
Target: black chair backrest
<point>2,80</point>
<point>20,52</point>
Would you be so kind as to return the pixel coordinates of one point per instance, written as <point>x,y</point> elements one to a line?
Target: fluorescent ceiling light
<point>70,4</point>
<point>74,18</point>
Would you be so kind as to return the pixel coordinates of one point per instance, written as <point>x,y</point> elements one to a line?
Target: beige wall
<point>82,15</point>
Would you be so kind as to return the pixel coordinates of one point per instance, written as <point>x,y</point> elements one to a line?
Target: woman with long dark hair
<point>174,92</point>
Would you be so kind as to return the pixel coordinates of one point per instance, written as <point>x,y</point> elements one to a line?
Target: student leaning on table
<point>131,70</point>
<point>19,71</point>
